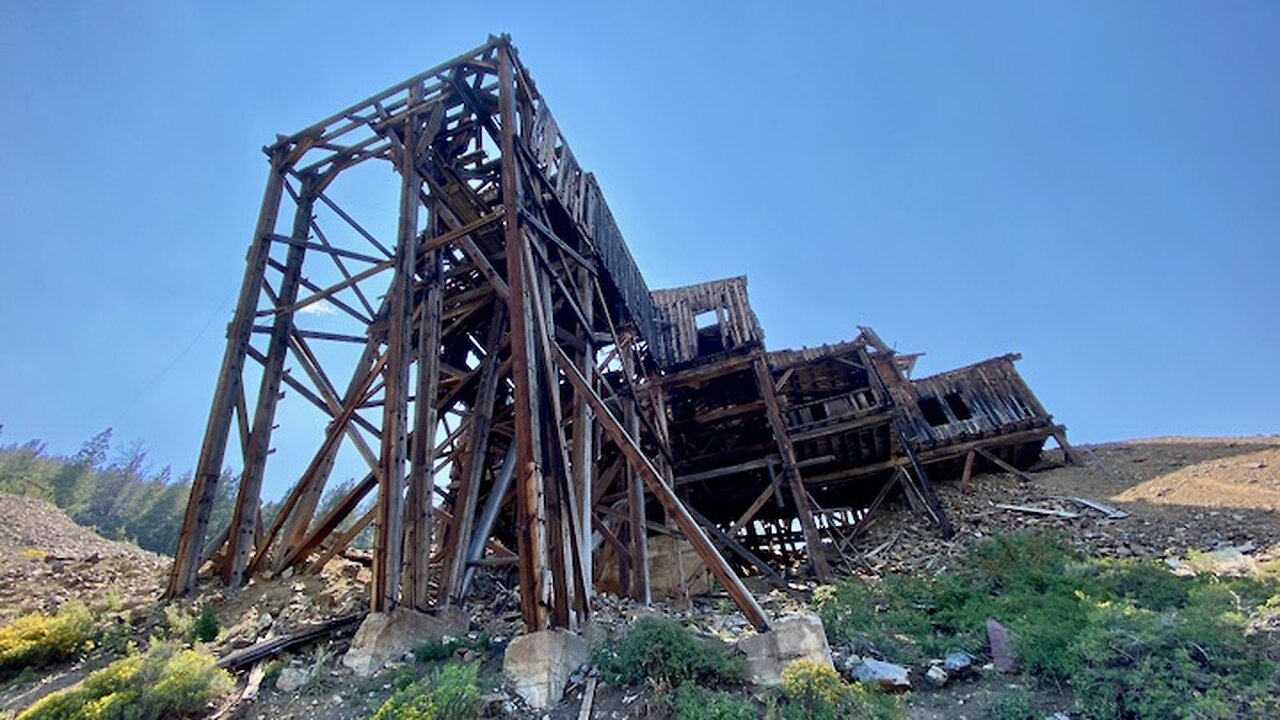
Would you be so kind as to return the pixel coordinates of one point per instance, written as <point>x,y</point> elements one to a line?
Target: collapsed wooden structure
<point>518,394</point>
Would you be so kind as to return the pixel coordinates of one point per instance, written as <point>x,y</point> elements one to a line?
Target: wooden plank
<point>389,525</point>
<point>530,539</point>
<point>751,511</point>
<point>639,536</point>
<point>471,474</point>
<point>243,518</point>
<point>422,450</point>
<point>1003,465</point>
<point>741,551</point>
<point>966,477</point>
<point>1064,514</point>
<point>812,538</point>
<point>275,646</point>
<point>666,496</point>
<point>230,383</point>
<point>747,466</point>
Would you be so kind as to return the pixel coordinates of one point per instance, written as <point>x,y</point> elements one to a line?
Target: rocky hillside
<point>46,559</point>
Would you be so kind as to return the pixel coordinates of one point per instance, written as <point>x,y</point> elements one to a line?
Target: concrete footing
<point>384,637</point>
<point>799,637</point>
<point>539,664</point>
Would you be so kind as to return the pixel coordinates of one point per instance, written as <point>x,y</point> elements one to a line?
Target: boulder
<point>885,675</point>
<point>799,637</point>
<point>384,637</point>
<point>937,677</point>
<point>293,677</point>
<point>1001,647</point>
<point>958,663</point>
<point>540,663</point>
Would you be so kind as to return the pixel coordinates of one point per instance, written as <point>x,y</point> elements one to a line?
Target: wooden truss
<point>490,371</point>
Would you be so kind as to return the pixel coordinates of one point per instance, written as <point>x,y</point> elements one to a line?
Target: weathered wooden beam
<point>457,544</point>
<point>637,521</point>
<point>1002,464</point>
<point>751,511</point>
<point>666,496</point>
<point>737,548</point>
<point>244,513</point>
<point>530,537</point>
<point>812,538</point>
<point>422,450</point>
<point>388,538</point>
<point>229,386</point>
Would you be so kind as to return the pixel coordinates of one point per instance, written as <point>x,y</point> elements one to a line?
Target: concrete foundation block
<point>384,637</point>
<point>540,663</point>
<point>799,637</point>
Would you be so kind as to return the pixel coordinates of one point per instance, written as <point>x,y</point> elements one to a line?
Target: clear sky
<point>1093,184</point>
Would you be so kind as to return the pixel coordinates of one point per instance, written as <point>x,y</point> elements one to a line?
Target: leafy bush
<point>205,626</point>
<point>1131,638</point>
<point>447,647</point>
<point>37,640</point>
<point>663,652</point>
<point>1135,663</point>
<point>164,682</point>
<point>451,692</point>
<point>693,702</point>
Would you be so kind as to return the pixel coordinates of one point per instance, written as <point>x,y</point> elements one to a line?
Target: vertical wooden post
<point>230,386</point>
<point>423,448</point>
<point>666,496</point>
<point>471,471</point>
<point>635,492</point>
<point>530,538</point>
<point>583,453</point>
<point>388,539</point>
<point>812,538</point>
<point>248,497</point>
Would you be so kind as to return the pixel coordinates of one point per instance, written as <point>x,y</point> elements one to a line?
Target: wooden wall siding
<point>997,399</point>
<point>677,310</point>
<point>581,196</point>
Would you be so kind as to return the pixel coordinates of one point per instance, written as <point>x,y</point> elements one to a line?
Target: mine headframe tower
<point>493,343</point>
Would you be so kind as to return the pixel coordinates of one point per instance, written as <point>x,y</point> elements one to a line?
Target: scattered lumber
<point>275,646</point>
<point>1064,514</point>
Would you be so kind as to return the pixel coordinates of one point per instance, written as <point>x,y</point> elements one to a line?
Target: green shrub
<point>447,647</point>
<point>205,626</point>
<point>1011,705</point>
<point>450,692</point>
<point>693,702</point>
<point>1132,639</point>
<point>1145,584</point>
<point>1135,663</point>
<point>37,640</point>
<point>164,682</point>
<point>892,618</point>
<point>666,654</point>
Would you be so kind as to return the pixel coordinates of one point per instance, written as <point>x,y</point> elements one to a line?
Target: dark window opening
<point>932,411</point>
<point>958,408</point>
<point>710,341</point>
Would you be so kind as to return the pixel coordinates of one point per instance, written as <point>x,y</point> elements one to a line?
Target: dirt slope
<point>1180,494</point>
<point>47,559</point>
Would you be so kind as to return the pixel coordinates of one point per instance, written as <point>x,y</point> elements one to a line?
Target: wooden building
<point>517,395</point>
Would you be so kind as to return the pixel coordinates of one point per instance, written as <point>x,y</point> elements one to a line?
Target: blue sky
<point>1093,184</point>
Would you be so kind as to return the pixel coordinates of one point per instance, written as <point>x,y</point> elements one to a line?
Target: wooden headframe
<point>478,338</point>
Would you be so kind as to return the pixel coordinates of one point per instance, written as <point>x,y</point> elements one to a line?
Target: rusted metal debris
<point>521,397</point>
